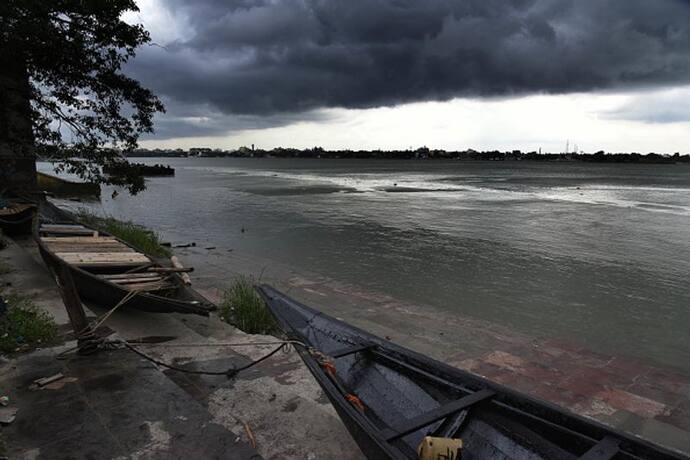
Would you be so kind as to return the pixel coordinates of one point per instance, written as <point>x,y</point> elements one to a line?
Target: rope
<point>328,365</point>
<point>355,401</point>
<point>124,300</point>
<point>230,373</point>
<point>87,341</point>
<point>220,344</point>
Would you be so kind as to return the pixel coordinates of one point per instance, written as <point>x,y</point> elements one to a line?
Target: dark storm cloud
<point>267,57</point>
<point>203,120</point>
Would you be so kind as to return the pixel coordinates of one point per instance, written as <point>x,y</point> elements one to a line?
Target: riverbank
<point>116,405</point>
<point>567,251</point>
<point>645,399</point>
<point>265,404</point>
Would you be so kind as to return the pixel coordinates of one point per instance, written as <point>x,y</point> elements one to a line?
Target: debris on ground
<point>7,415</point>
<point>250,435</point>
<point>46,380</point>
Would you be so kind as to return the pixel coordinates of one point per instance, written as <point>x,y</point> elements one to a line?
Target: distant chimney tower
<point>252,147</point>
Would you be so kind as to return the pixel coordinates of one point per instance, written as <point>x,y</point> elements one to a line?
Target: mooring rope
<point>104,317</point>
<point>86,340</point>
<point>222,344</point>
<point>230,372</point>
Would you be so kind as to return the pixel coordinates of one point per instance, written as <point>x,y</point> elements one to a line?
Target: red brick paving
<point>588,383</point>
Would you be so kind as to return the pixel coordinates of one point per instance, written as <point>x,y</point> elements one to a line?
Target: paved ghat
<point>645,399</point>
<point>116,405</point>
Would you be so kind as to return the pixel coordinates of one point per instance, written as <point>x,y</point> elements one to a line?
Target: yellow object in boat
<point>439,448</point>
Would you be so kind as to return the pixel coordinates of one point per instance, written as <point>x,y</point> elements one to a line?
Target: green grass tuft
<point>242,307</point>
<point>138,236</point>
<point>24,327</point>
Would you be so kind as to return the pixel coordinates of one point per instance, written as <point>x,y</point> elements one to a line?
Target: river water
<point>595,254</point>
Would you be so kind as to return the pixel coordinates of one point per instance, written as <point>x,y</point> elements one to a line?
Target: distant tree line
<point>422,153</point>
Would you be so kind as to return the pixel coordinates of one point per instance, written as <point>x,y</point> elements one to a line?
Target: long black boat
<point>391,399</point>
<point>106,269</point>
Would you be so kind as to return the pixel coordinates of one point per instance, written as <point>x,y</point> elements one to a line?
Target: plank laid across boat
<point>392,399</point>
<point>106,269</point>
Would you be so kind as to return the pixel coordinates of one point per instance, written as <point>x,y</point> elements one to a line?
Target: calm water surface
<point>597,254</point>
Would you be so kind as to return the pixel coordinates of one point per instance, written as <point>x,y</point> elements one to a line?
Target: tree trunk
<point>17,149</point>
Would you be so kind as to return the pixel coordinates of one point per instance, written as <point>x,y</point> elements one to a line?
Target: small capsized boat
<point>105,269</point>
<point>398,404</point>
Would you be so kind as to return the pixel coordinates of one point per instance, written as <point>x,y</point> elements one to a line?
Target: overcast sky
<point>483,74</point>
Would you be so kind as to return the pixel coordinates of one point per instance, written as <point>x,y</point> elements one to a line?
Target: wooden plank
<point>77,231</point>
<point>177,264</point>
<point>97,258</point>
<point>605,449</point>
<point>54,226</point>
<point>75,310</point>
<point>103,255</point>
<point>148,287</point>
<point>408,426</point>
<point>109,265</point>
<point>89,248</point>
<point>86,243</point>
<point>136,280</point>
<point>171,269</point>
<point>346,351</point>
<point>68,231</point>
<point>46,380</point>
<point>65,249</point>
<point>131,276</point>
<point>79,239</point>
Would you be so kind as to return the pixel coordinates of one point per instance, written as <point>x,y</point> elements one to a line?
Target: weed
<point>23,326</point>
<point>242,307</point>
<point>138,236</point>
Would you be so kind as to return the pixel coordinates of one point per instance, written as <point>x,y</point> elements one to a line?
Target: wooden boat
<point>64,188</point>
<point>105,269</point>
<point>391,399</point>
<point>16,218</point>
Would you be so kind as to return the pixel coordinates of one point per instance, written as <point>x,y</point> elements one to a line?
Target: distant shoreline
<point>418,154</point>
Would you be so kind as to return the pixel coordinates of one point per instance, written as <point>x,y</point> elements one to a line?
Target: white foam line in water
<point>642,188</point>
<point>362,182</point>
<point>603,196</point>
<point>378,182</point>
